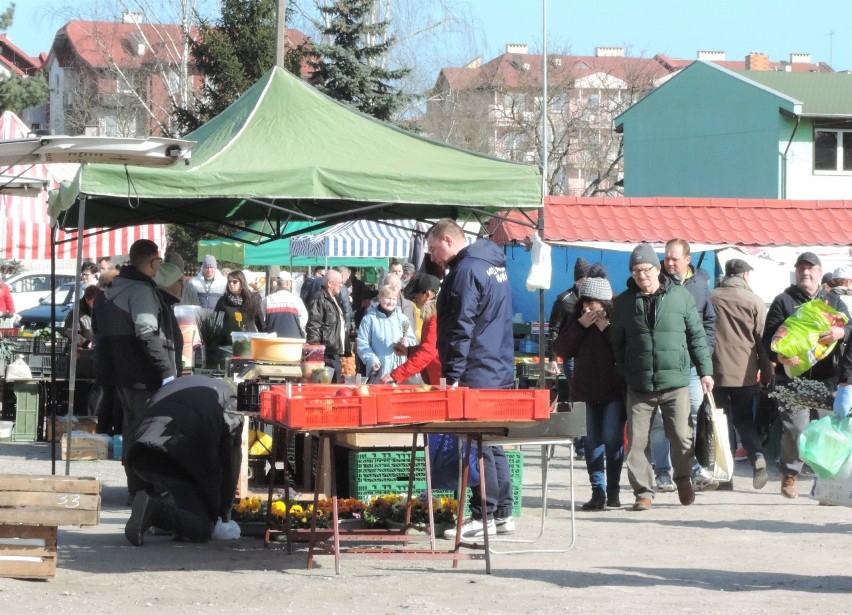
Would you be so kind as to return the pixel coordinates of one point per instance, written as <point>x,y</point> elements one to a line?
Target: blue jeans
<point>660,448</point>
<point>605,441</point>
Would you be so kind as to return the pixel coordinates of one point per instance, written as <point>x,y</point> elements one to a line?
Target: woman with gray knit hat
<point>597,382</point>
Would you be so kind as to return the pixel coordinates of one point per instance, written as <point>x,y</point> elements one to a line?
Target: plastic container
<point>507,404</point>
<point>313,353</point>
<point>241,342</point>
<point>6,429</point>
<point>317,407</point>
<point>417,406</point>
<point>279,349</point>
<point>117,446</point>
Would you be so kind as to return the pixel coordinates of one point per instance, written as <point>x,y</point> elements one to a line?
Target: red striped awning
<point>24,223</point>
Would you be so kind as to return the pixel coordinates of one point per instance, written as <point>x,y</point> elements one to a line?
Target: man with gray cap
<point>209,284</point>
<point>656,336</point>
<point>841,282</point>
<point>808,287</point>
<point>285,313</point>
<point>740,357</point>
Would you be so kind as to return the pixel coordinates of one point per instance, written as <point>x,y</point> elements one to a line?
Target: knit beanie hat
<point>596,288</point>
<point>581,268</point>
<point>644,254</point>
<point>209,261</point>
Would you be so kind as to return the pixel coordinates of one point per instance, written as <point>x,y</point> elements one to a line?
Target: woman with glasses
<point>242,312</point>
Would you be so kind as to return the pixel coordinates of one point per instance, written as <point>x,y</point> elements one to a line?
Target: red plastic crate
<point>267,406</point>
<point>415,406</point>
<point>507,404</point>
<point>318,407</point>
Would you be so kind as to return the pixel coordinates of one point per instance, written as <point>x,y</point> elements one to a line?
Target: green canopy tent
<point>283,151</point>
<point>243,249</point>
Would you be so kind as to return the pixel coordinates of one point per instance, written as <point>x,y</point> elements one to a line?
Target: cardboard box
<point>85,446</point>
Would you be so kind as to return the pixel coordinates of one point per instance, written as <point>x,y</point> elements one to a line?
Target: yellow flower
<point>279,509</point>
<point>296,509</point>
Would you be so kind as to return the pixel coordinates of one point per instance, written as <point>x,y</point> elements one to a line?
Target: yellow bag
<point>260,443</point>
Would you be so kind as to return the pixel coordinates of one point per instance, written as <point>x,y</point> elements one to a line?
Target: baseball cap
<point>808,257</point>
<point>285,276</point>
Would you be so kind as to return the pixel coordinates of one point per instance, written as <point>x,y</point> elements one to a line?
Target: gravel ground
<point>744,551</point>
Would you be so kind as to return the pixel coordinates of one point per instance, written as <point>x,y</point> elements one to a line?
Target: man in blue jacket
<point>475,346</point>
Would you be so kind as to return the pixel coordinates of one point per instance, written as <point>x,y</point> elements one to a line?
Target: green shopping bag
<point>799,335</point>
<point>826,444</point>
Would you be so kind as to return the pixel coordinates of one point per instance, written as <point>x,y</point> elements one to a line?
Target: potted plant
<point>213,334</point>
<point>390,510</point>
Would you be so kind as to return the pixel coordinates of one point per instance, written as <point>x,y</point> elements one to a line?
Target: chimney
<point>517,48</point>
<point>800,58</point>
<point>609,52</point>
<point>128,17</point>
<point>711,56</point>
<point>757,61</point>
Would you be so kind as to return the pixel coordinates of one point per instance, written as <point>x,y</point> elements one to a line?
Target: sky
<point>644,27</point>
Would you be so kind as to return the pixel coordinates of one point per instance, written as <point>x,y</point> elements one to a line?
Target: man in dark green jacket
<point>656,336</point>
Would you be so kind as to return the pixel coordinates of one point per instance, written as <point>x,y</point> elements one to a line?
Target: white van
<point>31,286</point>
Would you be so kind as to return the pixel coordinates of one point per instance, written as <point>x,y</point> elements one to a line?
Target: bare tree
<point>585,94</point>
<point>148,89</point>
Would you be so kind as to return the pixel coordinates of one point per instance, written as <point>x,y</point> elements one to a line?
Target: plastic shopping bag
<point>540,270</point>
<point>836,490</point>
<point>705,441</point>
<point>826,444</point>
<point>18,370</point>
<point>723,459</point>
<point>226,530</point>
<point>799,335</point>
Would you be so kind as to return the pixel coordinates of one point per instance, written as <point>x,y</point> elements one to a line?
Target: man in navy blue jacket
<point>475,346</point>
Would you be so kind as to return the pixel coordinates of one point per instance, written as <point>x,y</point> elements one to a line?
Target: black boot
<point>597,502</point>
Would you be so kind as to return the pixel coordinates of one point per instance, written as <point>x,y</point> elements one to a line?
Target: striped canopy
<point>361,238</point>
<point>24,223</point>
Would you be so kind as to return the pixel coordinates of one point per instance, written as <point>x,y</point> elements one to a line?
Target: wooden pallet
<point>31,508</point>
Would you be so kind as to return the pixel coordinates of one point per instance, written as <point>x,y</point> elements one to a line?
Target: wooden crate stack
<point>31,509</point>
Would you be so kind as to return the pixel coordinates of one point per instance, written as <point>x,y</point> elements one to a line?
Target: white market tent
<point>358,239</point>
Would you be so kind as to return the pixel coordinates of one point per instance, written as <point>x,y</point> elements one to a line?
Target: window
<point>832,150</point>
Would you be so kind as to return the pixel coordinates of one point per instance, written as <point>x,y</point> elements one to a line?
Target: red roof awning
<point>753,222</point>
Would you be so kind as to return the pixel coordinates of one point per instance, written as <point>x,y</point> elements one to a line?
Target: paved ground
<point>731,552</point>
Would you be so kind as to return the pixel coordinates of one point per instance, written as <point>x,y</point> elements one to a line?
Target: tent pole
<point>53,231</point>
<point>542,339</point>
<point>75,318</point>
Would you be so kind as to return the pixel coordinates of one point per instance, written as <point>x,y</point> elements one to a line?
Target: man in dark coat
<point>185,450</point>
<point>808,286</point>
<point>679,269</point>
<point>134,346</point>
<point>326,322</point>
<point>476,349</point>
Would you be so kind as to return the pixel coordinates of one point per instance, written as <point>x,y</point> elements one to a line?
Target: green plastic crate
<point>26,411</point>
<point>373,474</point>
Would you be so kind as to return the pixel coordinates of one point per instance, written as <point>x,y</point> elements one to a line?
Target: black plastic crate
<point>45,346</point>
<point>248,395</point>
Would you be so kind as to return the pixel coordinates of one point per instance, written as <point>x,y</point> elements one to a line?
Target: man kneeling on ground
<point>185,448</point>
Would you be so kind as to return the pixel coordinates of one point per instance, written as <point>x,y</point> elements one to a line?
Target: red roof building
<point>706,221</point>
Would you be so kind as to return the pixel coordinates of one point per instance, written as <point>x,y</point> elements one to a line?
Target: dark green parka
<point>658,356</point>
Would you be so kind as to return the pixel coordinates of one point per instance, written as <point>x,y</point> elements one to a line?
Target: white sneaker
<point>506,525</point>
<point>471,528</point>
<point>702,479</point>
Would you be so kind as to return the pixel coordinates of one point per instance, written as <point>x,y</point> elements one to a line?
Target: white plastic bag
<point>226,531</point>
<point>836,490</point>
<point>540,270</point>
<point>18,370</point>
<point>723,462</point>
